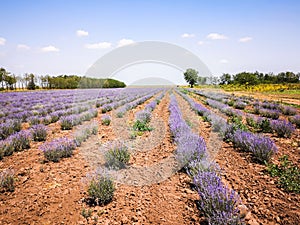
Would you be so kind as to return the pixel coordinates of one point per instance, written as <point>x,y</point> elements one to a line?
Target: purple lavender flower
<point>106,119</point>
<point>20,140</point>
<point>58,148</point>
<point>283,128</point>
<point>39,132</point>
<point>288,110</point>
<point>295,120</point>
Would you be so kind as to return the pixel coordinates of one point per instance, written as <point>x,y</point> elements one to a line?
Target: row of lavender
<point>217,201</point>
<point>269,108</point>
<point>261,147</point>
<point>12,138</point>
<point>266,123</point>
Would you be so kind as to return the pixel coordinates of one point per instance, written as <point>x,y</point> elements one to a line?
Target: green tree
<point>31,84</point>
<point>225,79</point>
<point>191,76</point>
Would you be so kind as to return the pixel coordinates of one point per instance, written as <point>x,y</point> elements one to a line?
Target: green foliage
<point>118,156</point>
<point>141,126</point>
<point>86,213</point>
<point>288,173</point>
<point>191,76</point>
<point>7,181</point>
<point>101,189</point>
<point>237,122</point>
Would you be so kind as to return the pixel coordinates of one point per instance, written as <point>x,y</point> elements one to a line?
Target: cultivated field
<point>148,156</point>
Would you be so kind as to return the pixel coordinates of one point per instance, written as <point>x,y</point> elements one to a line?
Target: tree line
<point>31,81</point>
<point>243,78</point>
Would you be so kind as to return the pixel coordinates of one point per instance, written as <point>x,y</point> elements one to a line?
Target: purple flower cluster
<point>270,113</point>
<point>9,127</point>
<point>288,110</point>
<point>39,132</point>
<point>295,120</point>
<point>68,122</point>
<point>218,202</point>
<point>20,141</point>
<point>263,148</point>
<point>283,128</point>
<point>58,148</point>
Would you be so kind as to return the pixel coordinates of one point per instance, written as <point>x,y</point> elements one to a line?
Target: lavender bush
<point>9,127</point>
<point>7,180</point>
<point>20,140</point>
<point>283,128</point>
<point>68,122</point>
<point>288,110</point>
<point>118,156</point>
<point>295,120</point>
<point>263,148</point>
<point>270,113</point>
<point>100,189</point>
<point>6,148</point>
<point>105,120</point>
<point>39,132</point>
<point>58,148</point>
<point>217,202</point>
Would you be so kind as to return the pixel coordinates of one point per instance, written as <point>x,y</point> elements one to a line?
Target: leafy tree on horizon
<point>191,76</point>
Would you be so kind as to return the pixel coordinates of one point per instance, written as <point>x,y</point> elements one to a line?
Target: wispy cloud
<point>216,36</point>
<point>186,35</point>
<point>50,48</point>
<point>100,45</point>
<point>23,47</point>
<point>82,33</point>
<point>245,39</point>
<point>224,61</point>
<point>125,41</point>
<point>2,41</point>
<point>200,42</point>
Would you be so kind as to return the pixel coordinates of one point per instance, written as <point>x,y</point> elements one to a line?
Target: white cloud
<point>245,39</point>
<point>23,47</point>
<point>224,61</point>
<point>82,33</point>
<point>2,41</point>
<point>200,42</point>
<point>124,41</point>
<point>100,45</point>
<point>186,35</point>
<point>50,48</point>
<point>216,36</point>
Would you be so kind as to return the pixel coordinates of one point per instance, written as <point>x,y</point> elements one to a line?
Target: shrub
<point>141,126</point>
<point>68,122</point>
<point>288,110</point>
<point>101,189</point>
<point>143,116</point>
<point>106,108</point>
<point>46,120</point>
<point>240,105</point>
<point>262,147</point>
<point>20,140</point>
<point>270,113</point>
<point>9,127</point>
<point>105,120</point>
<point>295,120</point>
<point>6,148</point>
<point>190,147</point>
<point>34,120</point>
<point>39,132</point>
<point>7,180</point>
<point>264,125</point>
<point>283,128</point>
<point>58,148</point>
<point>288,173</point>
<point>54,117</point>
<point>118,156</point>
<point>217,202</point>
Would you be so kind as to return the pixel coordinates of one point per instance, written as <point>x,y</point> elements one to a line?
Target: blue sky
<point>67,37</point>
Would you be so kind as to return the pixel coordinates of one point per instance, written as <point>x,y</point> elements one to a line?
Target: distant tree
<point>31,84</point>
<point>245,78</point>
<point>191,77</point>
<point>225,79</point>
<point>201,80</point>
<point>2,77</point>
